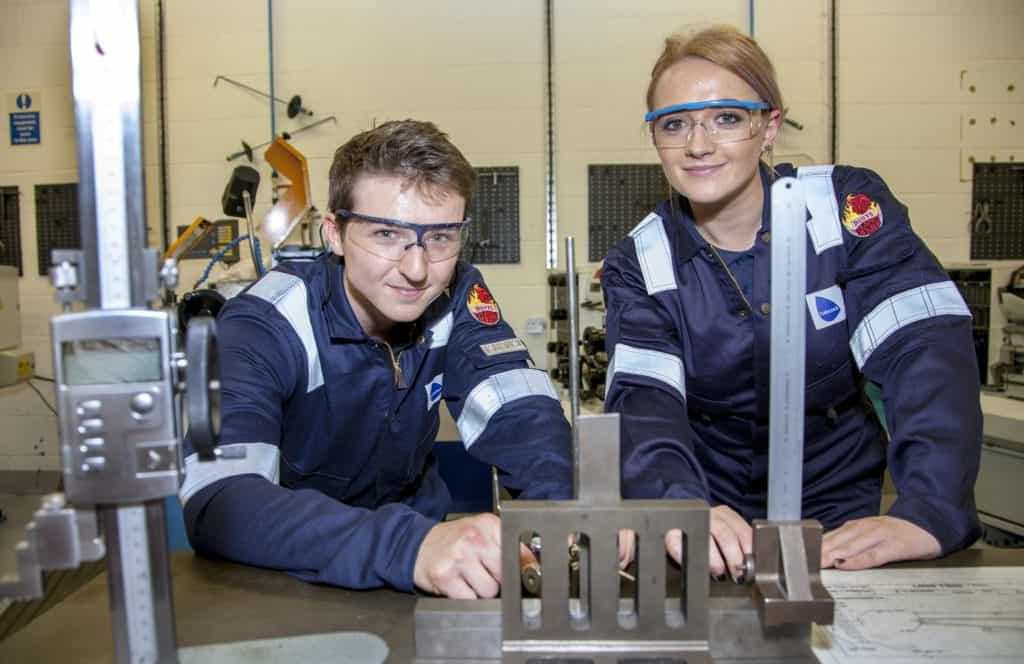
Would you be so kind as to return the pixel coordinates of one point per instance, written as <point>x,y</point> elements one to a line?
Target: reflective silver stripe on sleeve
<point>260,459</point>
<point>490,395</point>
<point>820,192</point>
<point>654,254</point>
<point>288,294</point>
<point>663,367</point>
<point>441,331</point>
<point>900,310</point>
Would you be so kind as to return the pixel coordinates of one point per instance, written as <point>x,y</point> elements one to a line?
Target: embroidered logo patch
<point>861,216</point>
<point>482,306</point>
<point>503,346</point>
<point>827,307</point>
<point>434,390</point>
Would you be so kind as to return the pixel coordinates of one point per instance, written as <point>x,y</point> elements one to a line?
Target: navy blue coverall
<point>339,485</point>
<point>690,363</point>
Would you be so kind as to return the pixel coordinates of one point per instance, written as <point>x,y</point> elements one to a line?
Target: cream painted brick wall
<point>906,104</point>
<point>477,69</point>
<point>603,56</point>
<point>34,57</point>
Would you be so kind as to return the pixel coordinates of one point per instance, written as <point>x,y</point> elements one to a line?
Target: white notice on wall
<point>908,616</point>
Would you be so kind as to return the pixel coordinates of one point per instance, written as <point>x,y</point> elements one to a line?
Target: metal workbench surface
<point>219,602</point>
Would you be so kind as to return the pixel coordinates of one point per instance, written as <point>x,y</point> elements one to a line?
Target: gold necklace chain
<point>735,283</point>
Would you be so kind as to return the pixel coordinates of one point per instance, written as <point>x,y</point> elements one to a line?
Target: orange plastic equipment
<point>293,206</point>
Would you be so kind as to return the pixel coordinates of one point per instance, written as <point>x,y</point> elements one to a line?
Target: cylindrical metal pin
<point>574,322</point>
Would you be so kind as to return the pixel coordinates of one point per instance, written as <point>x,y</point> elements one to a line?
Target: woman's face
<point>705,172</point>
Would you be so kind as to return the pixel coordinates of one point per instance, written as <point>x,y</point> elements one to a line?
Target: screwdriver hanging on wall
<point>247,150</point>
<point>795,124</point>
<point>294,105</point>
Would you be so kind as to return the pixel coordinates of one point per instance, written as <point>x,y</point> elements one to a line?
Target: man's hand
<point>461,559</point>
<point>876,540</point>
<point>731,538</point>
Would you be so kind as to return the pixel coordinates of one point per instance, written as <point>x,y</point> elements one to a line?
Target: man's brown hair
<point>418,152</point>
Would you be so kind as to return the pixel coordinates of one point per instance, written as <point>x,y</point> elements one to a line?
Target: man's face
<point>385,293</point>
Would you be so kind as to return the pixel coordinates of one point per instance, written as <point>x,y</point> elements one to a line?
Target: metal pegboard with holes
<point>621,195</point>
<point>494,231</point>
<point>975,285</point>
<point>10,228</point>
<point>57,225</point>
<point>997,211</point>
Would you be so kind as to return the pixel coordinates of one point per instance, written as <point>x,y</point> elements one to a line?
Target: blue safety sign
<point>25,128</point>
<point>24,118</point>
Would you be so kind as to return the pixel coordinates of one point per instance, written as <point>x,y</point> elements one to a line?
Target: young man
<point>332,372</point>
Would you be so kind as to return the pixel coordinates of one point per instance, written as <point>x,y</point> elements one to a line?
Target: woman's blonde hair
<point>726,47</point>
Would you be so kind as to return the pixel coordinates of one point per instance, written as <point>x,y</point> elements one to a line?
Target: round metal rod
<point>574,323</point>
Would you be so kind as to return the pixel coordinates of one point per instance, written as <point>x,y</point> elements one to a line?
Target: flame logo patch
<point>482,306</point>
<point>862,217</point>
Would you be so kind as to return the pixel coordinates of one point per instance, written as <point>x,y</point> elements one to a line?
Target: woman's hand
<point>876,540</point>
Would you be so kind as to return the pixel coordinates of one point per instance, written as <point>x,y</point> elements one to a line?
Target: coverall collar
<point>341,319</point>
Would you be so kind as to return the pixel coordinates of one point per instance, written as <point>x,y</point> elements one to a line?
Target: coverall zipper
<point>399,378</point>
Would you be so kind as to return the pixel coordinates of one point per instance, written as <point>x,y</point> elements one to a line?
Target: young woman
<point>689,320</point>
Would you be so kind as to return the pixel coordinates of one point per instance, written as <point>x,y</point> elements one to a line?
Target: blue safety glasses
<point>723,120</point>
<point>391,238</point>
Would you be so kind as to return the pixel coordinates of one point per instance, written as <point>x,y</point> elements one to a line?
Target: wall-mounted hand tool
<point>294,105</point>
<point>247,150</point>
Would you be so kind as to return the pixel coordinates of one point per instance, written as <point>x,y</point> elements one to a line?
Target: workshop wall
<point>34,60</point>
<point>478,71</point>
<point>926,89</point>
<point>905,71</point>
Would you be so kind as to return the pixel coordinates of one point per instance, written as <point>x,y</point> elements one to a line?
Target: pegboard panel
<point>57,223</point>
<point>494,231</point>
<point>10,228</point>
<point>997,211</point>
<point>621,195</point>
<point>224,231</point>
<point>976,288</point>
